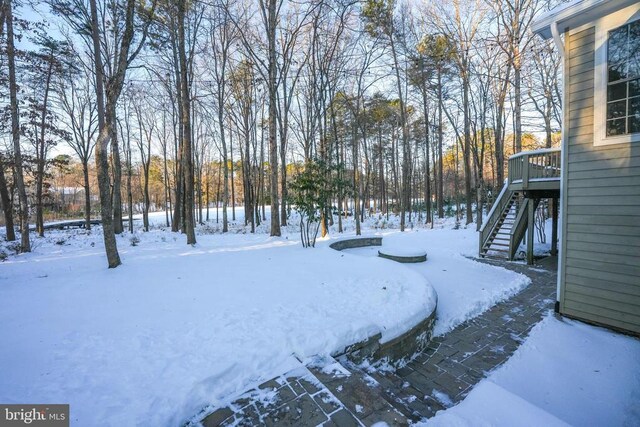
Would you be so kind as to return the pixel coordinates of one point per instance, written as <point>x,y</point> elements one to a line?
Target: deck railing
<point>534,165</point>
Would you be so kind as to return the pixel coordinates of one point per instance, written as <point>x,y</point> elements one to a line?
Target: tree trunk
<point>39,190</point>
<point>249,196</point>
<point>273,112</point>
<point>440,165</point>
<point>104,185</point>
<point>117,179</point>
<point>167,192</point>
<point>41,153</point>
<point>225,161</point>
<point>499,134</point>
<point>517,100</point>
<point>233,187</point>
<point>207,194</point>
<point>7,207</point>
<point>129,175</point>
<point>102,143</point>
<point>218,194</point>
<point>404,191</point>
<point>187,153</point>
<point>145,213</point>
<point>356,181</point>
<point>467,148</point>
<point>547,123</point>
<point>427,174</point>
<point>87,194</point>
<point>25,244</point>
<point>283,163</point>
<point>178,214</point>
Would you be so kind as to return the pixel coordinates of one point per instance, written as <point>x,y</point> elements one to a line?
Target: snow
<point>178,327</point>
<point>465,287</point>
<point>402,251</point>
<point>565,373</point>
<point>442,398</point>
<point>491,405</point>
<point>539,249</point>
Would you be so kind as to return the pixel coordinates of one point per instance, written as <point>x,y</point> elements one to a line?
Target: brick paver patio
<point>338,393</point>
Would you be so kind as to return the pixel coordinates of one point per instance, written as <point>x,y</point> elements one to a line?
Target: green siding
<point>600,272</point>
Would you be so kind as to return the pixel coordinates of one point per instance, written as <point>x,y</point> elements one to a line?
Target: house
<point>599,264</point>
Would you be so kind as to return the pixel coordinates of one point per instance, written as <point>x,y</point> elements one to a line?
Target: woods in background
<point>127,106</point>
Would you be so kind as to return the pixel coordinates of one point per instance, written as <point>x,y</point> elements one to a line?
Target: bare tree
<point>7,205</point>
<point>25,244</point>
<point>544,86</point>
<point>514,18</point>
<point>381,20</point>
<point>79,105</point>
<point>264,55</point>
<point>146,119</point>
<point>462,23</point>
<point>222,35</point>
<point>243,88</point>
<point>185,121</point>
<point>107,97</point>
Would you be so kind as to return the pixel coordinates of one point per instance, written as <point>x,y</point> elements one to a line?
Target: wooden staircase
<point>498,241</point>
<point>496,230</point>
<point>506,225</point>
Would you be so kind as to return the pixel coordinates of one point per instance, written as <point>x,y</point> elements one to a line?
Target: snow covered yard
<point>565,373</point>
<point>176,327</point>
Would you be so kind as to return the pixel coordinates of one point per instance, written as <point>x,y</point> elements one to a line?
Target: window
<point>623,80</point>
<point>616,109</point>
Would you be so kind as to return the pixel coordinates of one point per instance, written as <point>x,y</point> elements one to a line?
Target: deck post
<point>530,229</point>
<point>554,227</point>
<point>525,171</point>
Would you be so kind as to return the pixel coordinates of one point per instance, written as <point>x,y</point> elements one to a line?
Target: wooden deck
<point>535,170</point>
<point>533,175</point>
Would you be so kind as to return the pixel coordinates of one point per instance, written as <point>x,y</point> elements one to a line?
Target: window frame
<point>602,27</point>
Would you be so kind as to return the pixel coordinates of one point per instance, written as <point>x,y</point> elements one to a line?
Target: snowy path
<point>585,376</point>
<point>465,287</point>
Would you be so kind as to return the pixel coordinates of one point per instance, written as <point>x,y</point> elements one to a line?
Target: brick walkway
<point>337,393</point>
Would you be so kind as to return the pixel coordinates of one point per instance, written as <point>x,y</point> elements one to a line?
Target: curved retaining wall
<point>404,259</point>
<point>356,242</point>
<point>400,348</point>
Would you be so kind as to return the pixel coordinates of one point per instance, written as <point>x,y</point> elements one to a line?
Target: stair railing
<point>494,214</point>
<point>519,228</point>
<point>516,234</point>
